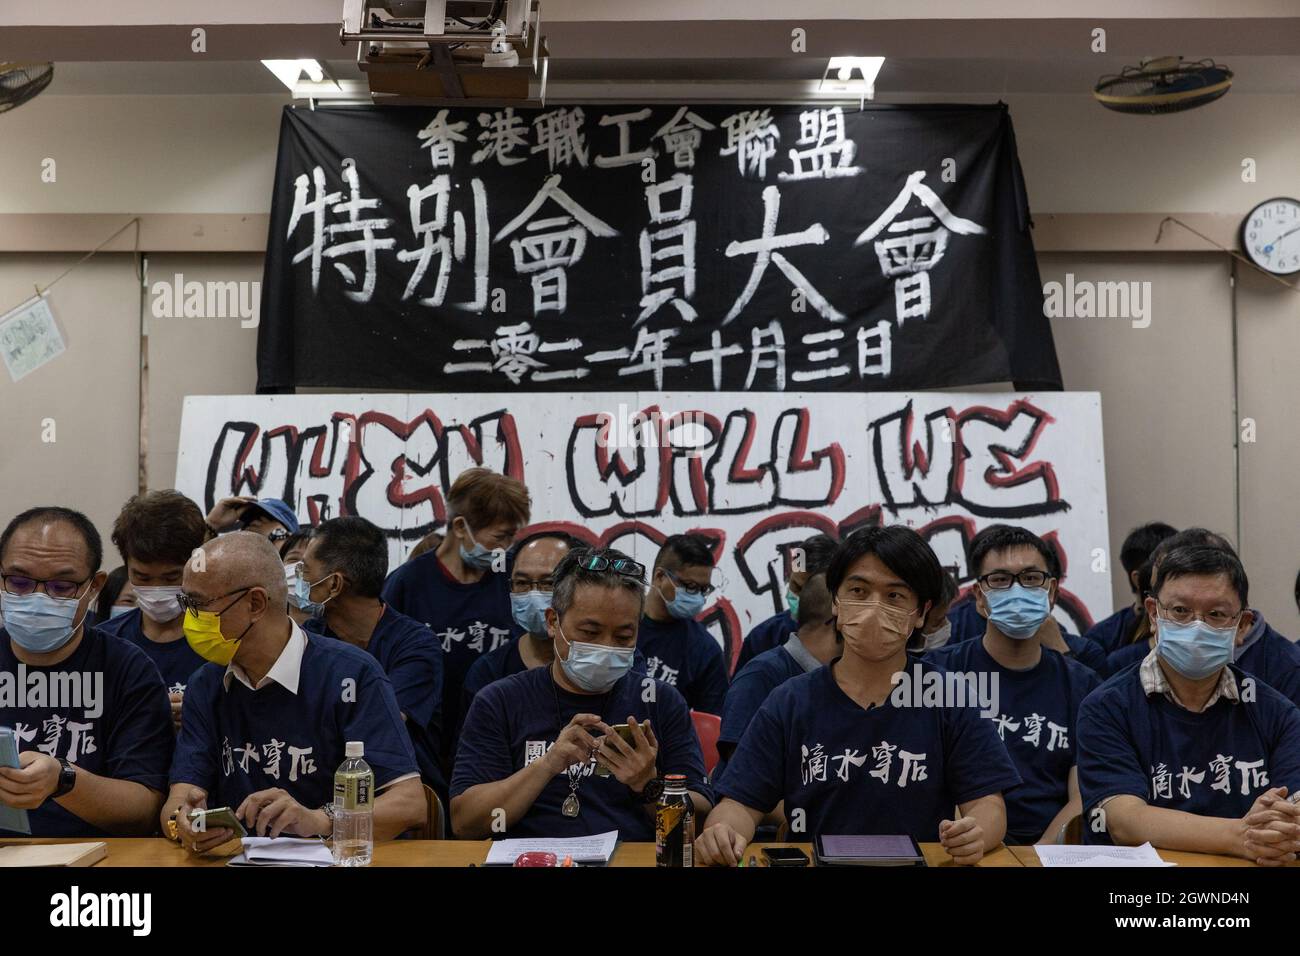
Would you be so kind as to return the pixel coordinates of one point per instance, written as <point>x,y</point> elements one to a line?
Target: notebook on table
<point>876,850</point>
<point>53,854</point>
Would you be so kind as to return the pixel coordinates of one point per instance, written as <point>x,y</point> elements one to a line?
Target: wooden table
<point>156,851</point>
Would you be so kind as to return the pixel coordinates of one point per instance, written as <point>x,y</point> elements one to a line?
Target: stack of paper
<point>1051,854</point>
<point>283,851</point>
<point>589,850</point>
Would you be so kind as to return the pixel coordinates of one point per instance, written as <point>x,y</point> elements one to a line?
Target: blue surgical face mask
<point>302,596</point>
<point>684,605</point>
<point>37,622</point>
<point>479,558</point>
<point>1195,650</point>
<point>1018,611</point>
<point>595,667</point>
<point>117,610</point>
<point>529,610</point>
<point>792,602</point>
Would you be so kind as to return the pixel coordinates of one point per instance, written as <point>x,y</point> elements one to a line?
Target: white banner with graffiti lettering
<point>755,472</point>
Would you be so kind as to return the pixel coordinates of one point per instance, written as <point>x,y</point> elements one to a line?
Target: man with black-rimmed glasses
<point>89,711</point>
<point>1185,750</point>
<point>678,649</point>
<point>1038,690</point>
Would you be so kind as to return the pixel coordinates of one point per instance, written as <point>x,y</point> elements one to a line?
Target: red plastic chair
<point>707,729</point>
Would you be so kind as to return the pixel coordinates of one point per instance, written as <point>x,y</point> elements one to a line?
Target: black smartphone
<point>785,856</point>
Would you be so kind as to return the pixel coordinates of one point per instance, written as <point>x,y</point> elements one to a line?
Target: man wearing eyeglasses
<point>532,581</point>
<point>540,755</point>
<point>339,580</point>
<point>1038,690</point>
<point>1260,651</point>
<point>89,711</point>
<point>1185,750</point>
<point>266,720</point>
<point>679,650</point>
<point>265,516</point>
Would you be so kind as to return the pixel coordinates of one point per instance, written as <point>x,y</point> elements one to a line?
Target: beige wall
<point>90,392</point>
<point>1166,390</point>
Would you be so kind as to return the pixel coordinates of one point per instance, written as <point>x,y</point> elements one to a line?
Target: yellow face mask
<point>204,635</point>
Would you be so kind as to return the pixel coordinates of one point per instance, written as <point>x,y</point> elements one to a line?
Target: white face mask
<point>159,604</point>
<point>939,636</point>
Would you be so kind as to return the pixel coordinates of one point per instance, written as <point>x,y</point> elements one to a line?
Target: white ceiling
<point>899,78</point>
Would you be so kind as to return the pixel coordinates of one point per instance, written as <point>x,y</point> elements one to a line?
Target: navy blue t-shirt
<point>470,620</point>
<point>1086,651</point>
<point>412,659</point>
<point>1272,658</point>
<point>121,727</point>
<point>883,770</point>
<point>750,687</point>
<point>1112,632</point>
<point>765,635</point>
<point>237,741</point>
<point>967,622</point>
<point>684,655</point>
<point>515,720</point>
<point>1037,710</point>
<point>1215,763</point>
<point>1126,656</point>
<point>175,660</point>
<point>489,668</point>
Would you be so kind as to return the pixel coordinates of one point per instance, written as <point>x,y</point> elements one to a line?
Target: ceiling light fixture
<point>839,76</point>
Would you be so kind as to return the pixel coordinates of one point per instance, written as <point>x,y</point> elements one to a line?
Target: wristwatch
<point>67,778</point>
<point>652,792</point>
<point>328,809</point>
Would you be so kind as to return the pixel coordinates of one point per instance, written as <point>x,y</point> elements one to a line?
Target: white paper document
<point>1052,854</point>
<point>597,848</point>
<point>283,851</point>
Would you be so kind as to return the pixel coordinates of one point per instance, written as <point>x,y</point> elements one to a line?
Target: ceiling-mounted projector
<point>446,51</point>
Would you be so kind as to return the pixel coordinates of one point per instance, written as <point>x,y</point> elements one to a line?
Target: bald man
<point>532,579</point>
<point>266,720</point>
<point>89,711</point>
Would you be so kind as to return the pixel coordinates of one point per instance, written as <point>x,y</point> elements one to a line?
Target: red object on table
<point>535,859</point>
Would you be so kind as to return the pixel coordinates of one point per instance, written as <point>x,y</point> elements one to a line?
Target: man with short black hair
<point>1259,650</point>
<point>679,650</point>
<point>1039,689</point>
<point>94,749</point>
<point>837,748</point>
<point>773,631</point>
<point>813,645</point>
<point>1118,629</point>
<point>340,579</point>
<point>539,755</point>
<point>1185,750</point>
<point>156,533</point>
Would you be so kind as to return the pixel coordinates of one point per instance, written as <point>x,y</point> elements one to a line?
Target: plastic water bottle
<point>354,811</point>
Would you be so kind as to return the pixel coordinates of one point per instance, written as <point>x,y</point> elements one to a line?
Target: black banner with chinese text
<point>579,248</point>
